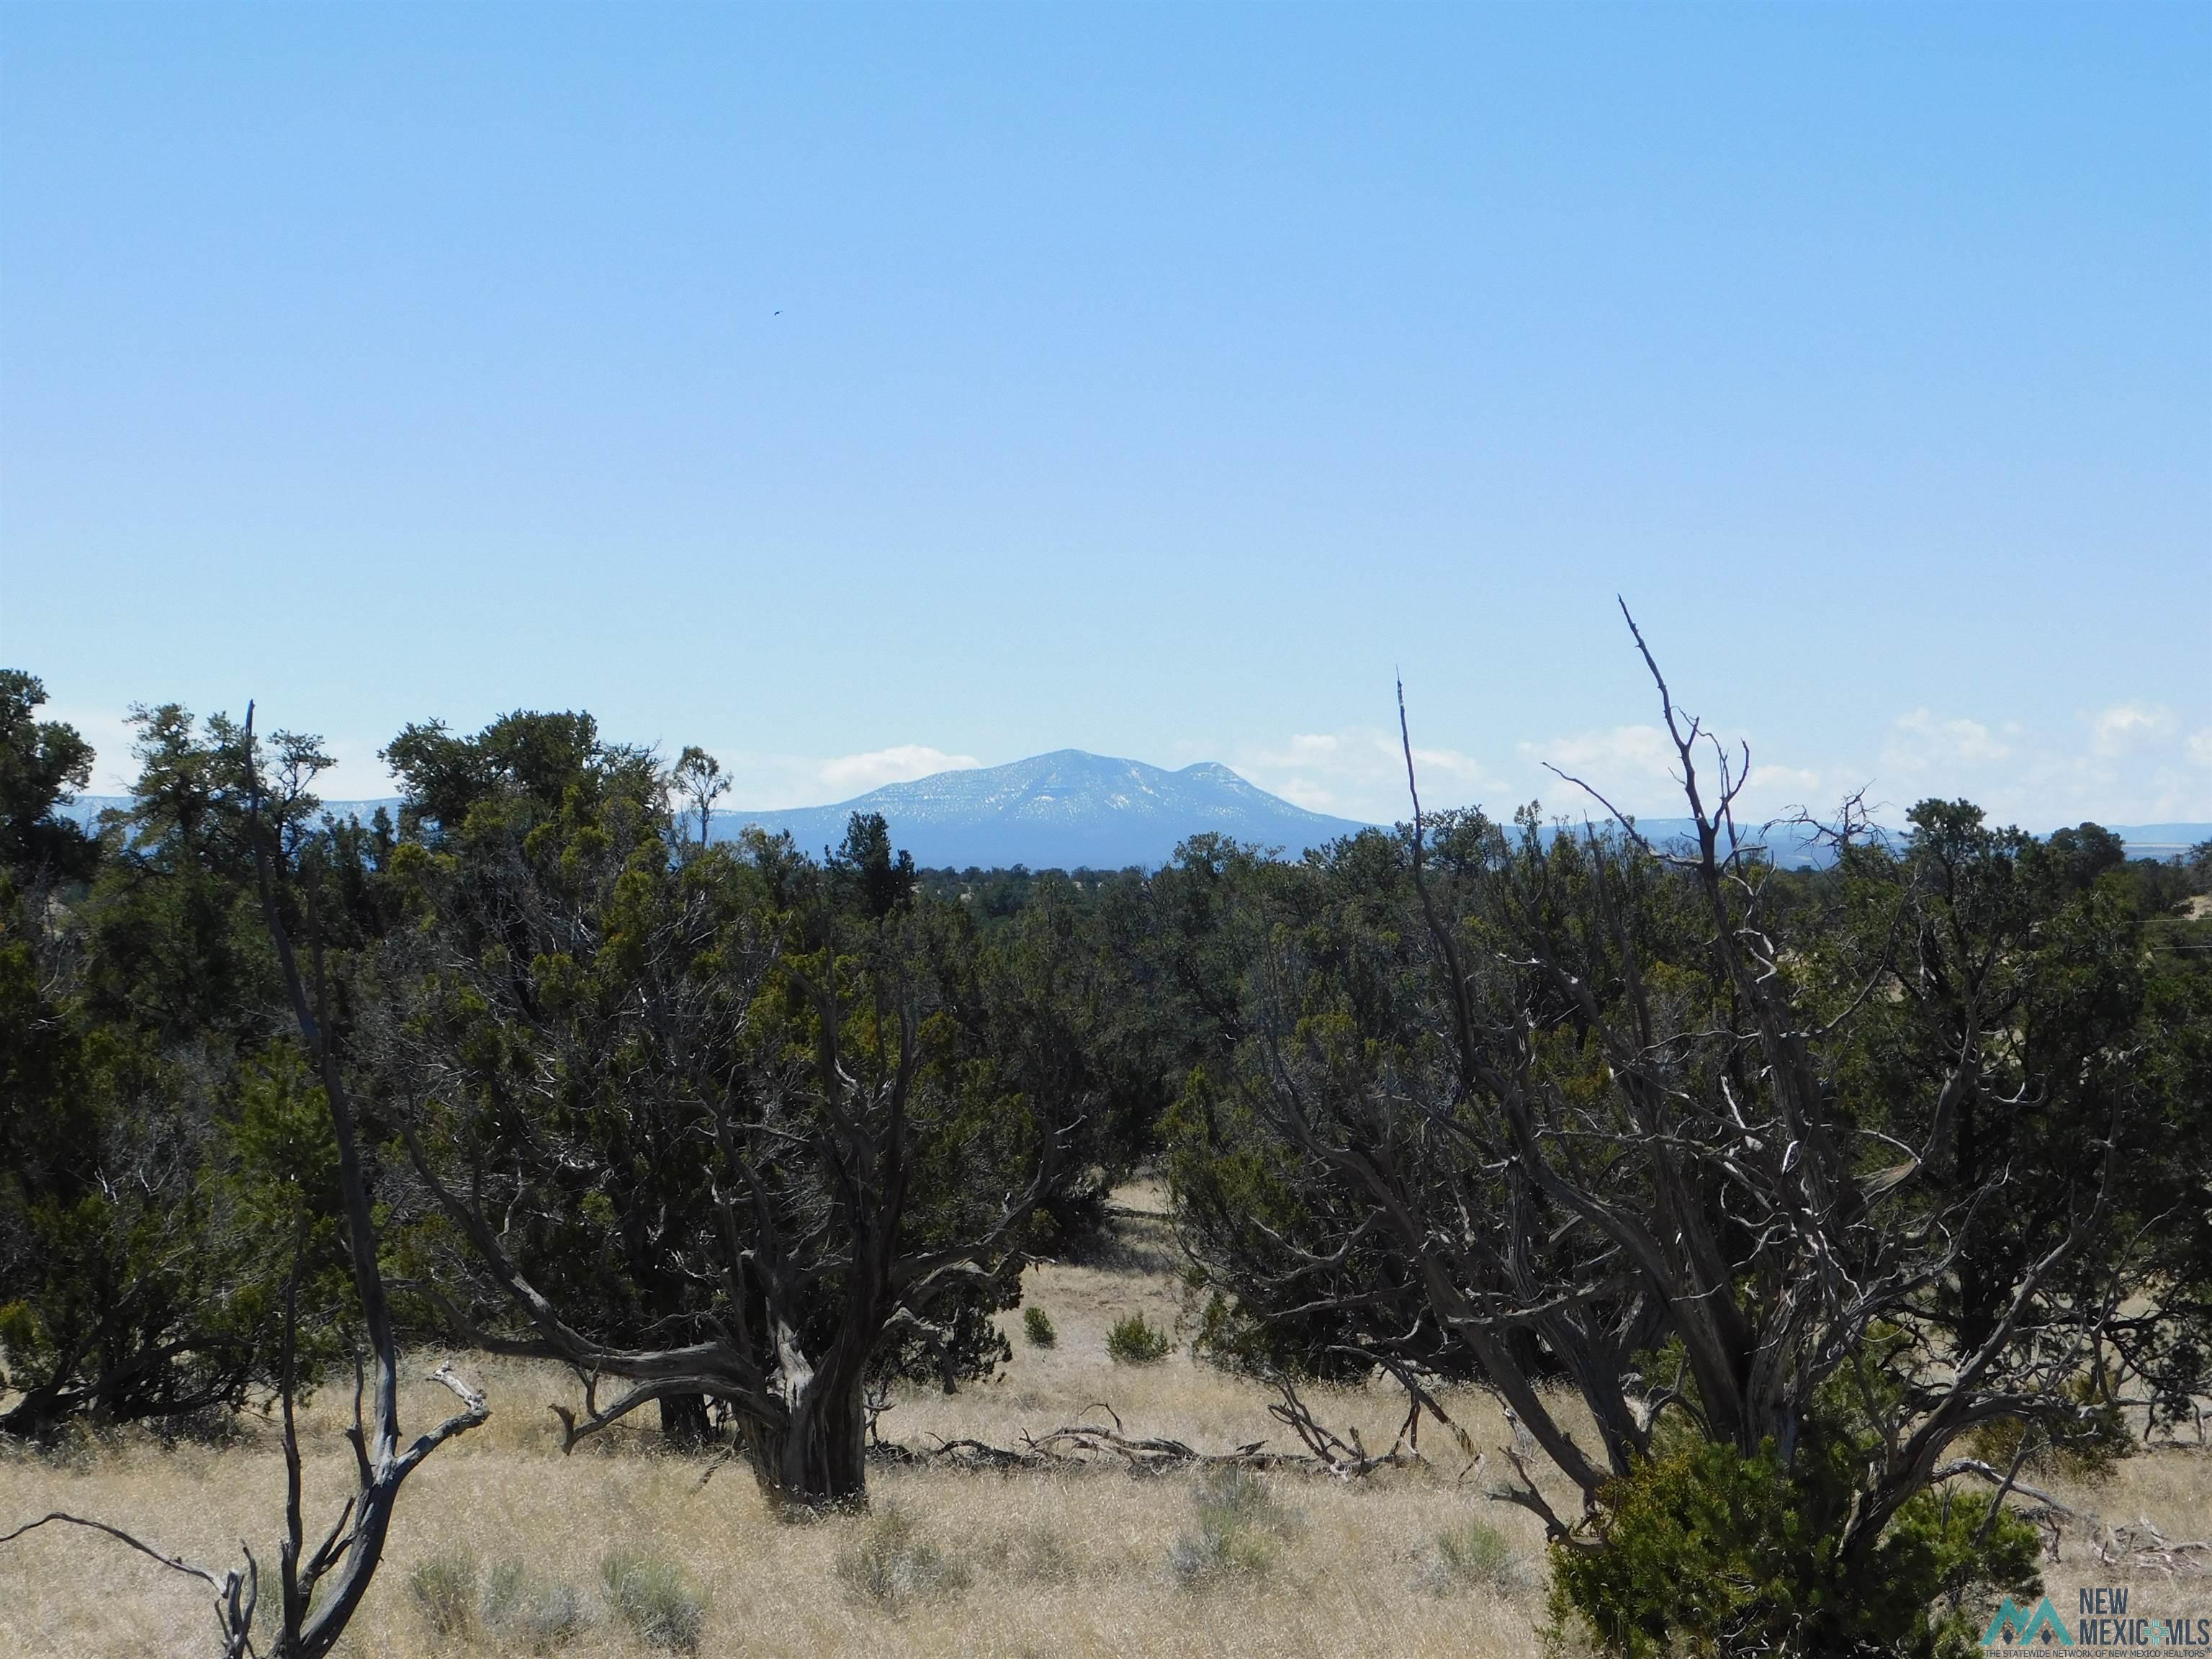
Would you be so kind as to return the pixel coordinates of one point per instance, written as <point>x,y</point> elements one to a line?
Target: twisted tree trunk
<point>683,1423</point>
<point>815,1455</point>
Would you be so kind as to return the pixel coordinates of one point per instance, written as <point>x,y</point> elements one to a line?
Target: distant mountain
<point>1063,811</point>
<point>1070,809</point>
<point>1794,845</point>
<point>1791,846</point>
<point>2161,841</point>
<point>87,809</point>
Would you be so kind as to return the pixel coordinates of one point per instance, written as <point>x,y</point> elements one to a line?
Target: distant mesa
<point>1065,810</point>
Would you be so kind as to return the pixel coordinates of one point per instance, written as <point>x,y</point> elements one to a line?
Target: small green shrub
<point>892,1566</point>
<point>445,1588</point>
<point>1211,1554</point>
<point>1137,1341</point>
<point>1471,1557</point>
<point>1035,1555</point>
<point>1708,1551</point>
<point>1238,1521</point>
<point>1044,1558</point>
<point>525,1611</point>
<point>654,1599</point>
<point>1037,1325</point>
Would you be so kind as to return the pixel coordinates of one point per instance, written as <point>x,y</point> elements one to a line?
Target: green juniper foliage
<point>1135,1340</point>
<point>1702,1140</point>
<point>163,1152</point>
<point>1801,1184</point>
<point>1702,1550</point>
<point>797,1122</point>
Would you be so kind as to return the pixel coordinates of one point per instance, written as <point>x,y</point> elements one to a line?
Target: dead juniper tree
<point>1574,1106</point>
<point>709,1121</point>
<point>320,1589</point>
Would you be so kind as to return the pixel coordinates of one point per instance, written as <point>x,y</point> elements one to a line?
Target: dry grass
<point>1063,1563</point>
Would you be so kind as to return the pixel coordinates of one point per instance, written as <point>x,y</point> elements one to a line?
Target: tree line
<point>1817,1200</point>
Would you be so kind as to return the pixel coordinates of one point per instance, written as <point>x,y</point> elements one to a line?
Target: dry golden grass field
<point>949,1561</point>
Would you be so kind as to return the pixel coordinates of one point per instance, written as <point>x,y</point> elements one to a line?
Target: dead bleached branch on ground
<point>1344,1457</point>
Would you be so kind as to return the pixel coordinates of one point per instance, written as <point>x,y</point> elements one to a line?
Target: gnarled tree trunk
<point>816,1454</point>
<point>684,1422</point>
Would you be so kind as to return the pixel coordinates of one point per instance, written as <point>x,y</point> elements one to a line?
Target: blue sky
<point>860,392</point>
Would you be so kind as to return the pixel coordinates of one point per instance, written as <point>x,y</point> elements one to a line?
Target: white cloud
<point>1637,770</point>
<point>2128,728</point>
<point>1631,766</point>
<point>359,774</point>
<point>110,735</point>
<point>1921,740</point>
<point>757,780</point>
<point>2127,762</point>
<point>356,774</point>
<point>764,783</point>
<point>1635,750</point>
<point>1773,786</point>
<point>1360,773</point>
<point>855,775</point>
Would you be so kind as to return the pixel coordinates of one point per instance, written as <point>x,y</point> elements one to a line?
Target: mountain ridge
<point>1070,809</point>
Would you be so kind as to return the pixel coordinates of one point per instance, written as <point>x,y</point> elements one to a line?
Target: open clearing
<point>1075,1562</point>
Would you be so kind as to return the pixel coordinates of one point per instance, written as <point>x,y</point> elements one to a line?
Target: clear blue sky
<point>847,390</point>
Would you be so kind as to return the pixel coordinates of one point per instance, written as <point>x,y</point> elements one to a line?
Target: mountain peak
<point>1068,809</point>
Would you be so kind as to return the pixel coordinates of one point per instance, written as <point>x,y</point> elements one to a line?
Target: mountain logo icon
<point>2012,1625</point>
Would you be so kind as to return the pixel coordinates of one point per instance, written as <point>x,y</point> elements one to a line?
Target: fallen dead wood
<point>1082,1442</point>
<point>2140,1546</point>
